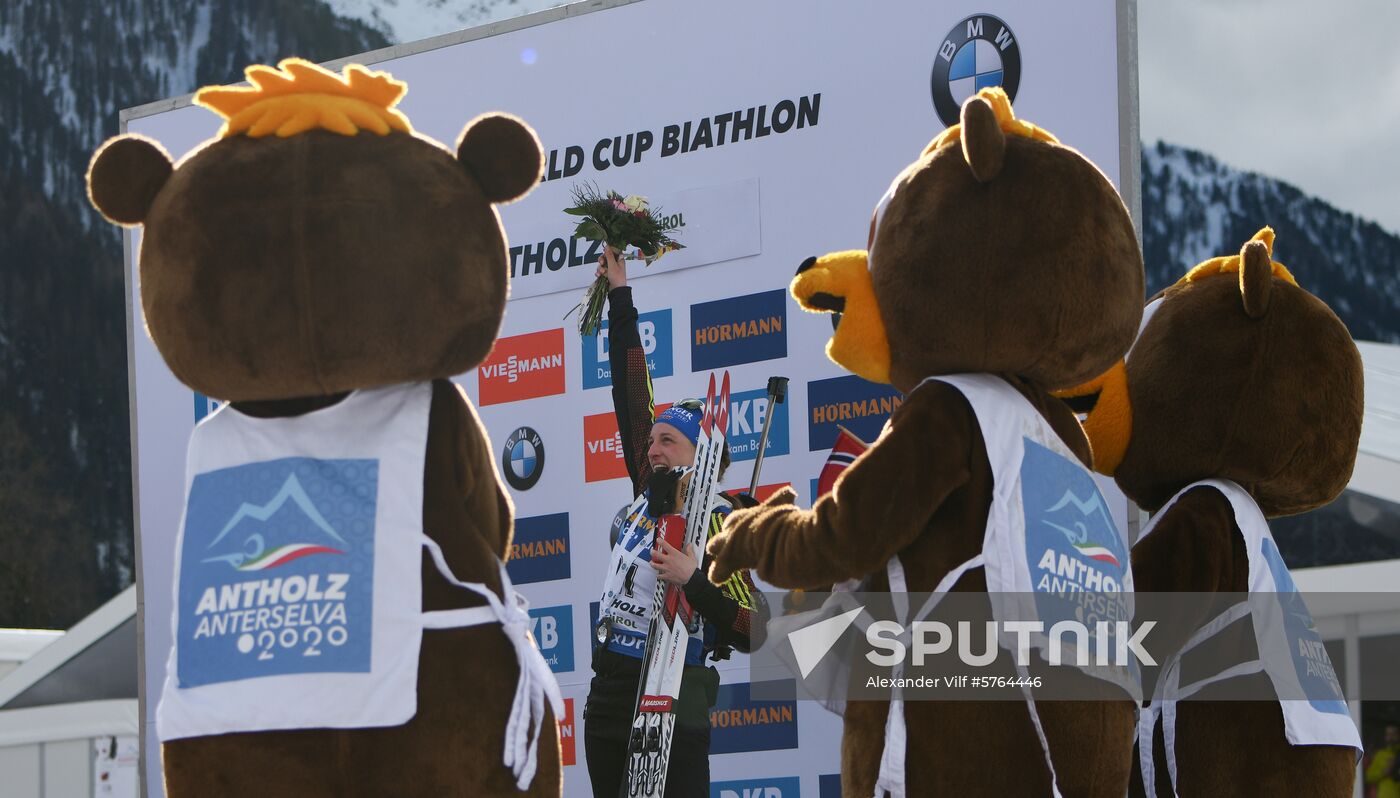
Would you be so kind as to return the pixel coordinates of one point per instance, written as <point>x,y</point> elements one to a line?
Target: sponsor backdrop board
<point>770,149</point>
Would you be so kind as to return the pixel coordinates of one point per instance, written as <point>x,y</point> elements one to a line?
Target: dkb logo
<point>654,330</point>
<point>553,629</point>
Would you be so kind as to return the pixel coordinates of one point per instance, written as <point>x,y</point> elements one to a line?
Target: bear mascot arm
<point>858,528</point>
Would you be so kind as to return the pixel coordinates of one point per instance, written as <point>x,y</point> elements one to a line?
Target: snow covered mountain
<point>1195,207</point>
<point>410,20</point>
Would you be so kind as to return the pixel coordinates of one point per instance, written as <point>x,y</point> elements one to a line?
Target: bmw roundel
<point>977,53</point>
<point>522,459</point>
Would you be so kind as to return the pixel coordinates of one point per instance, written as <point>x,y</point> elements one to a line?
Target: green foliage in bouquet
<point>623,223</point>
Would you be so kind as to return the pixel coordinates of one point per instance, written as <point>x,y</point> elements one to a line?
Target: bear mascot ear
<point>503,154</point>
<point>125,176</point>
<point>983,142</point>
<point>1256,278</point>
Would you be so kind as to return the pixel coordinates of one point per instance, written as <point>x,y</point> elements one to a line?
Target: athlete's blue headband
<point>684,416</point>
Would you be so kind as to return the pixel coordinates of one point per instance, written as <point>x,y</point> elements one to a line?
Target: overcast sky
<point>1307,91</point>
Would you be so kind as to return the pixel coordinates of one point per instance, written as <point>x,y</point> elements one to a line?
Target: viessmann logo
<point>603,457</point>
<point>523,367</point>
<point>567,751</point>
<point>978,52</point>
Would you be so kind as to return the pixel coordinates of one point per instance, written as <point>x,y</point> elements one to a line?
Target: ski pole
<point>777,392</point>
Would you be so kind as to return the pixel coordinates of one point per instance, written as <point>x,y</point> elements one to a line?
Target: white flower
<point>635,203</point>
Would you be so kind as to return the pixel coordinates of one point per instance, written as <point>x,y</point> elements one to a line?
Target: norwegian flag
<point>848,447</point>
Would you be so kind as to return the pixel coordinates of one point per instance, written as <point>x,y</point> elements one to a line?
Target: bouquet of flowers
<point>623,223</point>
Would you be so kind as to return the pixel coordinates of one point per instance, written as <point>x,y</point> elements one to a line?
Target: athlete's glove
<point>734,549</point>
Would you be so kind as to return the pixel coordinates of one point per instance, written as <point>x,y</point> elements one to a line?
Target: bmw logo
<point>522,460</point>
<point>977,53</point>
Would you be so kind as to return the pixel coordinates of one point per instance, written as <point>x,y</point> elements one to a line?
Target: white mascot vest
<point>298,582</point>
<point>1049,537</point>
<point>1287,641</point>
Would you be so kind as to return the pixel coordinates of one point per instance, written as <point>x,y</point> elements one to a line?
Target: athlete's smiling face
<point>669,448</point>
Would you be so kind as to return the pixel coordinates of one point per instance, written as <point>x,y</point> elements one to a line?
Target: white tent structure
<point>1372,494</point>
<point>18,645</point>
<point>1357,605</point>
<point>69,715</point>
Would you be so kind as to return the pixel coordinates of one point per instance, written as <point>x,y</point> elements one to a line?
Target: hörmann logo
<point>977,53</point>
<point>743,329</point>
<point>654,330</point>
<point>860,406</point>
<point>522,458</point>
<point>539,552</point>
<point>785,787</point>
<point>740,723</point>
<point>523,367</point>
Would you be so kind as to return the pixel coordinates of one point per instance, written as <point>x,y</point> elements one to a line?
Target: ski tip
<point>722,412</point>
<point>707,422</point>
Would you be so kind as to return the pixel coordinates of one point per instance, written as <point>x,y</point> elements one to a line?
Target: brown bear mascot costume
<point>1003,265</point>
<point>1241,400</point>
<point>344,624</point>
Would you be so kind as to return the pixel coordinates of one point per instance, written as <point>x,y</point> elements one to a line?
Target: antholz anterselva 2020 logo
<point>978,52</point>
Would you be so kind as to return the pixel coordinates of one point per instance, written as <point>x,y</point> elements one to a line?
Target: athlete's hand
<point>673,565</point>
<point>613,265</point>
<point>736,547</point>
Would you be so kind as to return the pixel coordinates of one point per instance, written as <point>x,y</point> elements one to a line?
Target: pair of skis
<point>673,620</point>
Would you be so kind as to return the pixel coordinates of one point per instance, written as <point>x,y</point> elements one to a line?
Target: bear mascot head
<point>1240,400</point>
<point>1000,265</point>
<point>344,625</point>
